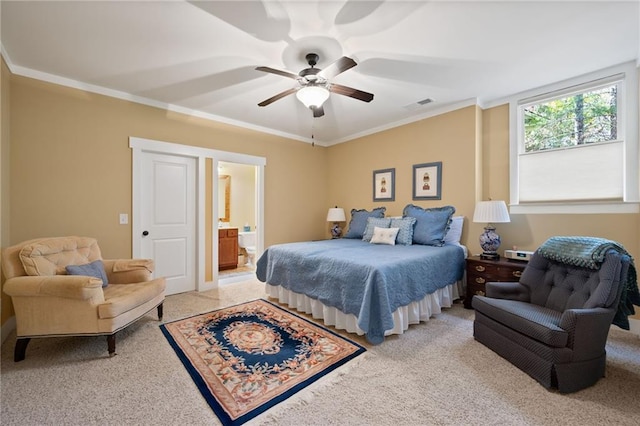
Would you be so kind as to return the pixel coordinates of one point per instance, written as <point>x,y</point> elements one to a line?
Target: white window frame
<point>627,132</point>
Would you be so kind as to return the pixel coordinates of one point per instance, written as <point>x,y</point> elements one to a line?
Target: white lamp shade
<point>336,214</point>
<point>312,96</point>
<point>491,212</point>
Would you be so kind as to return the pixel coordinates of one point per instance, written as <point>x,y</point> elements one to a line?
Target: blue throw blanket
<point>369,281</point>
<point>589,252</point>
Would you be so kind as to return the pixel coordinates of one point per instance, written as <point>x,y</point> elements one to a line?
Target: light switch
<point>124,218</point>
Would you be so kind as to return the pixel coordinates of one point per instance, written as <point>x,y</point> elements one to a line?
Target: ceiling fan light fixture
<point>312,96</point>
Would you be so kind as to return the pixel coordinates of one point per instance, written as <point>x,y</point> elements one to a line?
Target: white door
<point>168,218</point>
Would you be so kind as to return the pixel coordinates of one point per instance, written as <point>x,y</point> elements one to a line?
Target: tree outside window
<point>583,118</point>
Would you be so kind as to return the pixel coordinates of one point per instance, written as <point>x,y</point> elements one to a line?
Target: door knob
<point>145,233</point>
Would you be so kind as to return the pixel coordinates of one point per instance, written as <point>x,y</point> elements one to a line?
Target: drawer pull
<point>480,280</point>
<point>517,274</point>
<point>480,268</point>
<point>479,293</point>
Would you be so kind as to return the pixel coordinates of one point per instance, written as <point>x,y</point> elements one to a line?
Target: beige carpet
<point>434,374</point>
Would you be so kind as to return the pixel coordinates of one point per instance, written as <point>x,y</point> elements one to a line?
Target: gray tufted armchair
<point>554,323</point>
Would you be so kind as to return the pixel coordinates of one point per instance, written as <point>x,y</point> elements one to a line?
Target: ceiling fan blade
<point>317,111</point>
<point>278,72</point>
<point>278,96</point>
<point>351,92</point>
<point>339,66</point>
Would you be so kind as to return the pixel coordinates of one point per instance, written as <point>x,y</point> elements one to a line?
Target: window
<point>571,150</point>
<point>578,119</point>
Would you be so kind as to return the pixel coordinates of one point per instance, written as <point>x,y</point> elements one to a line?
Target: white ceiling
<point>200,57</point>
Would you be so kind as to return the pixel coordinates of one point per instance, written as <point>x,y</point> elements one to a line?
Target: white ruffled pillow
<point>384,236</point>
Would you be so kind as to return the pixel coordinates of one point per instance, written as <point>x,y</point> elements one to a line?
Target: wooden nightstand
<point>480,271</point>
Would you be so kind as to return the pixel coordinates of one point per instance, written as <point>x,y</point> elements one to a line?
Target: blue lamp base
<point>490,241</point>
<point>336,231</point>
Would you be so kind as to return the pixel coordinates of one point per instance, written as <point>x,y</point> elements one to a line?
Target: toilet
<point>247,240</point>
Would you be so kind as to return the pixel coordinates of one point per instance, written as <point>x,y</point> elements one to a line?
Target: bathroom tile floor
<point>241,270</point>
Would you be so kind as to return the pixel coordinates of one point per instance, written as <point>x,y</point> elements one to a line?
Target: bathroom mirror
<point>224,197</point>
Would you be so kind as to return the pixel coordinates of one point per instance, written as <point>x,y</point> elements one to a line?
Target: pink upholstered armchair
<point>61,286</point>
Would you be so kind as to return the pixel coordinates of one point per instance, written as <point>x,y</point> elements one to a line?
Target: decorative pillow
<point>431,224</point>
<point>405,233</point>
<point>93,269</point>
<point>384,236</point>
<point>455,230</point>
<point>372,222</point>
<point>358,221</point>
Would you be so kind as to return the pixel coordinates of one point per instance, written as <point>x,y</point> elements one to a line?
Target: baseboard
<point>8,327</point>
<point>634,326</point>
<point>207,285</point>
<point>234,279</point>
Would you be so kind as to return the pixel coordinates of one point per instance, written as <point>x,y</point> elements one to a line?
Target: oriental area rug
<point>249,357</point>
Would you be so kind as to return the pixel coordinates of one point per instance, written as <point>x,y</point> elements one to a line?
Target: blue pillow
<point>372,222</point>
<point>93,269</point>
<point>431,224</point>
<point>358,221</point>
<point>405,232</point>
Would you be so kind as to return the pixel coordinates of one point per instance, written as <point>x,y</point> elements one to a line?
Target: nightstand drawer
<point>474,289</point>
<point>495,272</point>
<point>480,272</point>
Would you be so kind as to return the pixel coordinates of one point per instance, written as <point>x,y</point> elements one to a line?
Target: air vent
<point>418,104</point>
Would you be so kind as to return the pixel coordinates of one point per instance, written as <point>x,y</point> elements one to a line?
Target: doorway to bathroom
<point>237,213</point>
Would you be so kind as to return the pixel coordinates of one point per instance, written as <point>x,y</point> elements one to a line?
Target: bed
<point>364,288</point>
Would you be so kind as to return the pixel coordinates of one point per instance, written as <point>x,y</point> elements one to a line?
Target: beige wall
<point>71,170</point>
<point>6,308</point>
<point>453,138</point>
<point>71,166</point>
<point>71,163</point>
<point>450,138</point>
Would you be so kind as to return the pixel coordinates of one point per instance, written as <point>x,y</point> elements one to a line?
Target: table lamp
<point>336,215</point>
<point>490,212</point>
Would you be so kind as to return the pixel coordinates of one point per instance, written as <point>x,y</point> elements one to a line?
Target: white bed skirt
<point>404,316</point>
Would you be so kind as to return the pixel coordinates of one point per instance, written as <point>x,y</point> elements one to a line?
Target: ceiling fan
<point>314,85</point>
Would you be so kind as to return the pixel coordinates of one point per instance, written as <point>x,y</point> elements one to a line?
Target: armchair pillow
<point>93,269</point>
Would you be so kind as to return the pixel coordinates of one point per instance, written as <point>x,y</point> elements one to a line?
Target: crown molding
<point>431,113</point>
<point>75,84</point>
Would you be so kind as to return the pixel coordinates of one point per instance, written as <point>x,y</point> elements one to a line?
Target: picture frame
<point>384,185</point>
<point>427,181</point>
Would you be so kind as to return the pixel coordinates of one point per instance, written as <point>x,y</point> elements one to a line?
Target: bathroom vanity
<point>227,248</point>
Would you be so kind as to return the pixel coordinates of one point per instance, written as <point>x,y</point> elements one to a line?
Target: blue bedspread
<point>368,280</point>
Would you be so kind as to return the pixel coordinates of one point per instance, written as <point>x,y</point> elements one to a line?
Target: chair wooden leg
<point>160,312</point>
<point>111,343</point>
<point>21,348</point>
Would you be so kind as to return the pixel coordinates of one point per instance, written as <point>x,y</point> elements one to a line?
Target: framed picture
<point>384,182</point>
<point>427,181</point>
